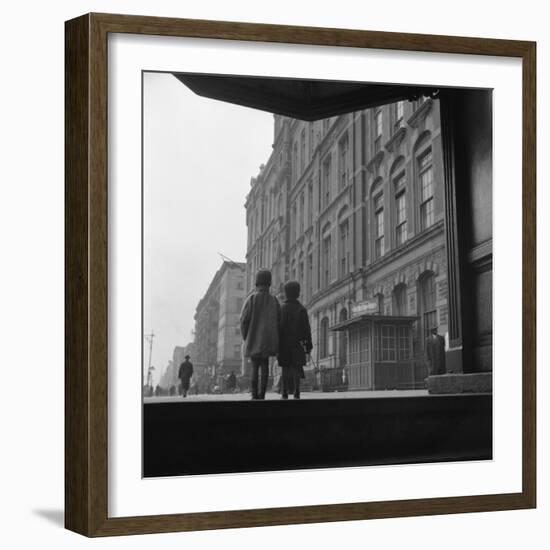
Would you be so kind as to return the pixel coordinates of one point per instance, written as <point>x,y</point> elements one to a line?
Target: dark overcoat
<point>185,372</point>
<point>435,353</point>
<point>295,335</point>
<point>260,320</point>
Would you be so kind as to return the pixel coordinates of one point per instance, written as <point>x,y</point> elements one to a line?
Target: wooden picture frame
<point>86,411</point>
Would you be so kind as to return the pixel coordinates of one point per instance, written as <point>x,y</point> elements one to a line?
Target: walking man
<point>260,319</point>
<point>295,340</point>
<point>184,374</point>
<point>435,353</point>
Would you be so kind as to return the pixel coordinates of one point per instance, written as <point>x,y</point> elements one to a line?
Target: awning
<point>303,99</point>
<point>369,318</point>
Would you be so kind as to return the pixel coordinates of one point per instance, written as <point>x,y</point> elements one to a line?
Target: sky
<point>198,157</point>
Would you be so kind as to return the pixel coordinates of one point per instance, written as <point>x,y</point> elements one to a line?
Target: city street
<point>275,396</point>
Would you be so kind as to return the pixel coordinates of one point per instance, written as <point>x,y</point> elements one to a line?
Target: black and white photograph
<point>316,274</point>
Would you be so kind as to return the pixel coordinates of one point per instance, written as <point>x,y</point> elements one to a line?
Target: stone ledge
<point>481,382</point>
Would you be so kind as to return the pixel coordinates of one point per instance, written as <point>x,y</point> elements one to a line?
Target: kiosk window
<point>388,343</point>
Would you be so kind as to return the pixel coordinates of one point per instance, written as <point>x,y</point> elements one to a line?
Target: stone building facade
<point>353,208</point>
<point>217,335</point>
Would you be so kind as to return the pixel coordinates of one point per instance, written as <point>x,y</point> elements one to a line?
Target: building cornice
<point>421,113</point>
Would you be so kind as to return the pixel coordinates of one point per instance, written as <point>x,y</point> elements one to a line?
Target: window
<point>379,226</point>
<point>311,145</point>
<point>326,181</point>
<point>326,261</point>
<point>302,213</point>
<point>295,162</point>
<point>425,175</point>
<point>301,272</point>
<point>310,275</point>
<point>326,123</point>
<point>429,312</point>
<point>400,210</point>
<point>399,300</point>
<point>343,161</point>
<point>309,203</point>
<point>403,344</point>
<point>303,150</point>
<point>323,338</point>
<point>398,115</point>
<point>344,254</point>
<point>377,131</point>
<point>388,343</point>
<point>294,225</point>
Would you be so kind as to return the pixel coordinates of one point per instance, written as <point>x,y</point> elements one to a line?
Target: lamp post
<point>150,371</point>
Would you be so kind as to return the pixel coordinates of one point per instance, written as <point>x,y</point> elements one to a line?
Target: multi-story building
<point>353,208</point>
<point>217,334</point>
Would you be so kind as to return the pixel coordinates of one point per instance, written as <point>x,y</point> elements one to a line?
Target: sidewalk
<point>361,394</point>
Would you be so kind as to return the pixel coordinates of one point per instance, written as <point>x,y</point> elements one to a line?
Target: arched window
<point>302,214</point>
<point>325,181</point>
<point>309,293</point>
<point>425,183</point>
<point>343,340</point>
<point>295,162</point>
<point>323,338</point>
<point>428,312</point>
<point>378,221</point>
<point>399,299</point>
<point>303,150</point>
<point>309,203</point>
<point>326,251</point>
<point>399,181</point>
<point>294,222</point>
<point>377,127</point>
<point>343,249</point>
<point>301,274</point>
<point>343,161</point>
<point>424,180</point>
<point>397,115</point>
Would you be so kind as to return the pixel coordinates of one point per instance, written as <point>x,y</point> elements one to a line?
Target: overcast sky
<point>199,156</point>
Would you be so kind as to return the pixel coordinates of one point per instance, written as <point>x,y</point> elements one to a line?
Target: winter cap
<point>263,277</point>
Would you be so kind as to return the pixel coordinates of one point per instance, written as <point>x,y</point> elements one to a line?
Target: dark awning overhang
<point>369,318</point>
<point>303,99</point>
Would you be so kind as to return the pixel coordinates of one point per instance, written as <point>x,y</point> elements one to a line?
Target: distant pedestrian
<point>184,374</point>
<point>260,319</point>
<point>295,340</point>
<point>435,353</point>
<point>231,382</point>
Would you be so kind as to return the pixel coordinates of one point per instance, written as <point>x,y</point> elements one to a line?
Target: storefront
<point>380,353</point>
